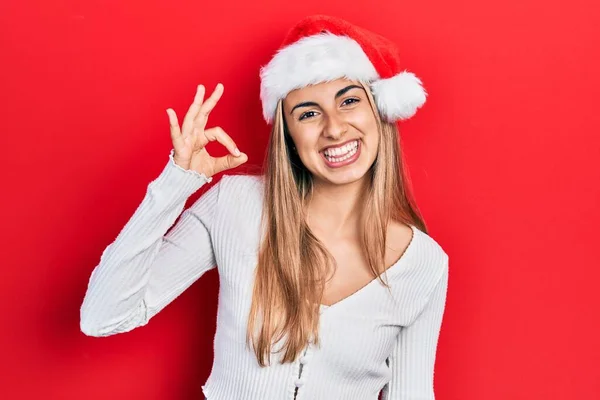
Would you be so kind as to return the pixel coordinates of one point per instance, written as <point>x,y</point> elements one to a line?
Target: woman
<point>330,287</point>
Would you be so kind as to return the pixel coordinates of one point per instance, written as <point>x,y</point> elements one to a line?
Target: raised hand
<point>190,140</point>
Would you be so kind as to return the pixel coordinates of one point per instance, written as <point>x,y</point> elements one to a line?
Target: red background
<point>504,158</point>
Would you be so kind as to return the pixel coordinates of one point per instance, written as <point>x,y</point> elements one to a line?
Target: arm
<point>413,357</point>
<point>143,270</point>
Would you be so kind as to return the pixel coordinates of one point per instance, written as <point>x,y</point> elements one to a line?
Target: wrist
<point>185,164</point>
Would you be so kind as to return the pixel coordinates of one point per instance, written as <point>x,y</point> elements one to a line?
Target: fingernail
<point>236,152</point>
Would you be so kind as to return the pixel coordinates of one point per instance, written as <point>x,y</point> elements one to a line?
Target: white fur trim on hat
<point>326,57</point>
<point>313,59</point>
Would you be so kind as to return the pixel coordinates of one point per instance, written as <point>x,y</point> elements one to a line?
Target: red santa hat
<point>323,48</point>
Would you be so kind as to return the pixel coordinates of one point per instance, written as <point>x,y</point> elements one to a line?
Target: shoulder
<point>432,257</point>
<point>242,179</point>
<point>240,185</point>
<point>424,262</point>
<point>240,197</point>
<point>399,237</point>
<point>422,268</point>
<point>403,238</point>
<point>430,249</point>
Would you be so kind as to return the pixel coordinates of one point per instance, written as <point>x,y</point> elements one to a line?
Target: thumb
<point>229,161</point>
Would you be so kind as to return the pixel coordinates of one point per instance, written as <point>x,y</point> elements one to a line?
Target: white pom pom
<point>398,97</point>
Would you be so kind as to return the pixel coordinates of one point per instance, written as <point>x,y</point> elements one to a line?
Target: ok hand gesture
<point>190,140</point>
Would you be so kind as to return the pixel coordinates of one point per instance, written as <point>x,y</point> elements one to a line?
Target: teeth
<point>354,149</point>
<point>341,151</point>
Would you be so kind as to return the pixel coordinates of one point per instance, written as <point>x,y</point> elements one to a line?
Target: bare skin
<point>353,272</point>
<point>330,114</point>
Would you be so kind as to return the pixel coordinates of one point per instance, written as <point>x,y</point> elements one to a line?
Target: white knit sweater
<point>370,341</point>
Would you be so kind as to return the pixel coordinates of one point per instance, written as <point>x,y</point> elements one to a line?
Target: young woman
<point>330,287</point>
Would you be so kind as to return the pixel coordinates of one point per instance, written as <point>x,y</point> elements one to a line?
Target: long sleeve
<point>413,358</point>
<point>146,268</point>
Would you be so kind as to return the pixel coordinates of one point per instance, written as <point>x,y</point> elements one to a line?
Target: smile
<point>343,155</point>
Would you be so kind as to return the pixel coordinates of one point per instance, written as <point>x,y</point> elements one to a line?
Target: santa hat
<point>322,48</point>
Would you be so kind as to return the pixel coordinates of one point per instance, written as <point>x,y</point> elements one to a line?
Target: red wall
<point>504,159</point>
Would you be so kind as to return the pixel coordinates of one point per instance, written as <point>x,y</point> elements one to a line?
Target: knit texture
<point>373,340</point>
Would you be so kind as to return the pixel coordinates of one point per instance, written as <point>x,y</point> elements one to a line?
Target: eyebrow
<point>340,92</point>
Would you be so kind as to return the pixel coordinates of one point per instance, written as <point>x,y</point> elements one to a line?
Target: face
<point>334,130</point>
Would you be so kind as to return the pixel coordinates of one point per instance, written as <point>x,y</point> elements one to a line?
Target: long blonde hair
<point>292,262</point>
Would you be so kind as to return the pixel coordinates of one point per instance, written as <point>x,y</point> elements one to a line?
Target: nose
<point>335,126</point>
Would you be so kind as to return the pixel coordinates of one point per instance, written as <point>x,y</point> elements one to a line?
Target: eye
<point>350,101</point>
<point>307,114</point>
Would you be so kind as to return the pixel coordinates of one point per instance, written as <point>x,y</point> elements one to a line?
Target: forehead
<point>319,90</point>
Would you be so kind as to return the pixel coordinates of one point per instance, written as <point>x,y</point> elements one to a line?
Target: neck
<point>334,210</point>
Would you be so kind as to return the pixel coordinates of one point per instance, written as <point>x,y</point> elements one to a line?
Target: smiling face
<point>334,130</point>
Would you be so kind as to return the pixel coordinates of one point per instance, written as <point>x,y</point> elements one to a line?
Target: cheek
<point>304,137</point>
<point>367,124</point>
<point>371,141</point>
<point>364,118</point>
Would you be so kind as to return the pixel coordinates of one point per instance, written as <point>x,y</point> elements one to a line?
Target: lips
<point>342,159</point>
<point>336,146</point>
<point>341,150</point>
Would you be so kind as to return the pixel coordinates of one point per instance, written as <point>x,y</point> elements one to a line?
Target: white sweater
<point>370,341</point>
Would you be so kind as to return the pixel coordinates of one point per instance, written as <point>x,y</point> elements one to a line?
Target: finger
<point>229,162</point>
<point>217,133</point>
<point>188,121</point>
<point>208,106</point>
<point>173,125</point>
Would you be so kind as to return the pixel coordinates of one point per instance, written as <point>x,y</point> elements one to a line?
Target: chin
<point>343,175</point>
<point>347,178</point>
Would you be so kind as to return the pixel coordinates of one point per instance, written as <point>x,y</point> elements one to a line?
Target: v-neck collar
<point>389,270</point>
